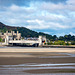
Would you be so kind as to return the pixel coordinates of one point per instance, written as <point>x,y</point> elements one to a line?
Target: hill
<point>25,32</point>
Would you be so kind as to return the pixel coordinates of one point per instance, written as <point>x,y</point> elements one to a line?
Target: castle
<point>12,35</point>
<point>15,38</point>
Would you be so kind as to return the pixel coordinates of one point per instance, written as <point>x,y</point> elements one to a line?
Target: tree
<point>0,39</point>
<point>73,43</point>
<point>61,38</point>
<point>54,37</point>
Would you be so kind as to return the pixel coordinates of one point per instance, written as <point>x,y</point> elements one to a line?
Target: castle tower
<point>7,40</point>
<point>40,40</point>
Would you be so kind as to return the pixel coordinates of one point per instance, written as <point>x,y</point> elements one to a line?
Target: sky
<point>54,17</point>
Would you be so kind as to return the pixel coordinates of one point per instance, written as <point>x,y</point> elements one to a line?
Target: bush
<point>68,43</point>
<point>73,43</point>
<point>48,43</point>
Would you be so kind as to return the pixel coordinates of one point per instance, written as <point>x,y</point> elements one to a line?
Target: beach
<point>40,61</point>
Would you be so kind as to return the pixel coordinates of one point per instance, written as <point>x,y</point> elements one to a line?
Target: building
<point>12,38</point>
<point>12,35</point>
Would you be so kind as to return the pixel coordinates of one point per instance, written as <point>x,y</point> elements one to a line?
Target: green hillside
<point>25,32</point>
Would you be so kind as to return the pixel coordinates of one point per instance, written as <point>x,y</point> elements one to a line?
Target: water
<point>39,65</point>
<point>18,69</point>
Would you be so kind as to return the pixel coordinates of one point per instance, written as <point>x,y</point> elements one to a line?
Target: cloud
<point>47,32</point>
<point>21,9</point>
<point>36,24</point>
<point>51,7</point>
<point>72,33</point>
<point>14,8</point>
<point>38,21</point>
<point>70,2</point>
<point>41,15</point>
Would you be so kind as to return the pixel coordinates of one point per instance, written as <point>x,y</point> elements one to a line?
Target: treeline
<point>63,38</point>
<point>59,42</point>
<point>67,38</point>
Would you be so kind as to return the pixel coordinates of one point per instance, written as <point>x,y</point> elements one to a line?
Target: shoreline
<point>44,46</point>
<point>36,49</point>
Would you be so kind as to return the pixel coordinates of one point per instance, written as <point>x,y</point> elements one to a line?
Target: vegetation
<point>54,40</point>
<point>0,39</point>
<point>73,43</point>
<point>59,42</point>
<point>67,38</point>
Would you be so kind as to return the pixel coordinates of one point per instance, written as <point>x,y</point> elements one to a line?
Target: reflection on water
<point>31,66</point>
<point>34,64</point>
